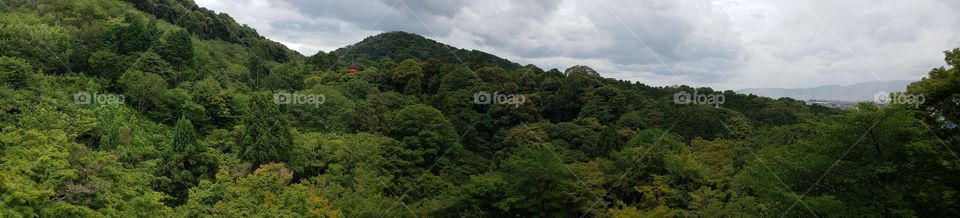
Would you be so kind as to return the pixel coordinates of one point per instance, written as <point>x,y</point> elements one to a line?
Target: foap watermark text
<point>715,99</point>
<point>497,98</point>
<point>889,98</point>
<point>97,98</point>
<point>298,98</point>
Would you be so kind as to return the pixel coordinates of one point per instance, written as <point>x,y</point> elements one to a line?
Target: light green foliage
<point>15,72</point>
<point>265,192</point>
<point>143,89</point>
<point>356,169</point>
<point>46,47</point>
<point>45,174</point>
<point>334,114</point>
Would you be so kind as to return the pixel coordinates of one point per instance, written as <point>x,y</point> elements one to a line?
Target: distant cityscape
<point>833,103</point>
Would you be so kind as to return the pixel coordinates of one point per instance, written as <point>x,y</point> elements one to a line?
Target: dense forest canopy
<point>155,108</point>
<point>398,46</point>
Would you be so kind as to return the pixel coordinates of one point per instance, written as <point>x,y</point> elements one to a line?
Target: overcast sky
<point>727,44</point>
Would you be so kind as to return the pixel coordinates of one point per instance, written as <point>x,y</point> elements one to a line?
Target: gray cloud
<point>722,43</point>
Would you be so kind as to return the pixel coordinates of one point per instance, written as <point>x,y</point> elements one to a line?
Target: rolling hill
<point>402,45</point>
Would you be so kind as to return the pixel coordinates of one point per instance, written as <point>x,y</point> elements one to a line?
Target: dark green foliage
<point>941,90</point>
<point>107,64</point>
<point>139,36</point>
<point>459,78</point>
<point>566,94</point>
<point>402,45</point>
<point>177,49</point>
<point>150,62</point>
<point>335,114</point>
<point>406,77</point>
<point>142,88</point>
<point>266,137</point>
<point>609,142</point>
<point>185,164</point>
<point>15,72</point>
<point>257,71</point>
<point>605,103</point>
<point>538,184</point>
<point>699,121</point>
<point>422,129</point>
<point>185,137</point>
<point>323,61</point>
<point>881,151</point>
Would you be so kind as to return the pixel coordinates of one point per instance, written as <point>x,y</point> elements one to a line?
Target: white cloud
<point>727,44</point>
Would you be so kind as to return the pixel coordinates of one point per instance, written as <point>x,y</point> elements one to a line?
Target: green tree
<point>185,164</point>
<point>609,142</point>
<point>424,130</point>
<point>177,49</point>
<point>107,64</point>
<point>185,136</point>
<point>404,73</point>
<point>138,36</point>
<point>266,192</point>
<point>605,103</point>
<point>47,174</point>
<point>143,89</point>
<point>15,72</point>
<point>150,62</point>
<point>266,137</point>
<point>335,113</point>
<point>538,184</point>
<point>497,79</point>
<point>939,89</point>
<point>258,71</point>
<point>459,78</point>
<point>872,162</point>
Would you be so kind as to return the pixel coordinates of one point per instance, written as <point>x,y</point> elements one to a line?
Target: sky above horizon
<point>725,44</point>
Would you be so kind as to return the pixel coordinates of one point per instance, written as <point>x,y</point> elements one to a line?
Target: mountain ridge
<point>854,92</point>
<point>399,45</point>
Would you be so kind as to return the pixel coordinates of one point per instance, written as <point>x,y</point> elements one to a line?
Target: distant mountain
<point>856,92</point>
<point>402,45</point>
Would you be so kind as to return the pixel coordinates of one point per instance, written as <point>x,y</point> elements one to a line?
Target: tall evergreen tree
<point>185,136</point>
<point>185,165</point>
<point>267,136</point>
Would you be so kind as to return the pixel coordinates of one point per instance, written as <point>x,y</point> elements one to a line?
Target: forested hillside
<point>398,46</point>
<point>160,108</point>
